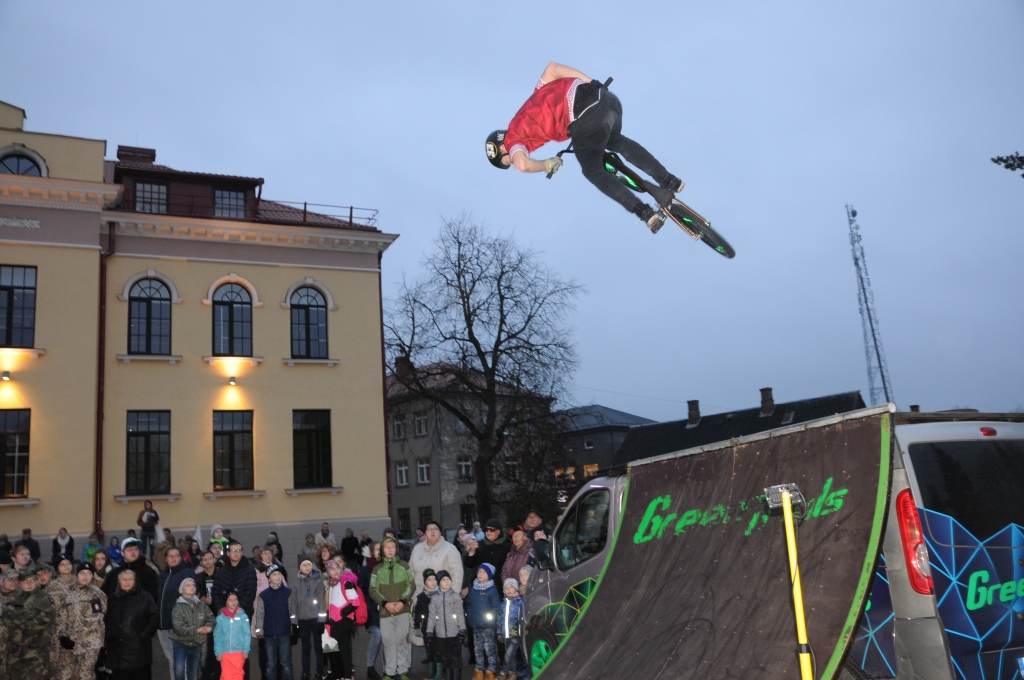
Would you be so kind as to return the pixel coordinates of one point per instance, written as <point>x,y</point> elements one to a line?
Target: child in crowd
<point>114,551</point>
<point>217,536</point>
<point>311,612</point>
<point>274,616</point>
<point>446,626</point>
<point>232,638</point>
<point>524,577</point>
<point>391,587</point>
<point>511,612</point>
<point>421,613</point>
<point>346,610</point>
<point>191,622</point>
<point>482,605</point>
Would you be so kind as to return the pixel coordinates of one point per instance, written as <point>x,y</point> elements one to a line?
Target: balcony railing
<point>250,210</point>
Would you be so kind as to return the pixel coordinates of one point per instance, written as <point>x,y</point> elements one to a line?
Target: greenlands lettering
<point>655,524</point>
<point>979,594</point>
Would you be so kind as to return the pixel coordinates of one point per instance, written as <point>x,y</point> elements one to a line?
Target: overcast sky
<point>776,115</point>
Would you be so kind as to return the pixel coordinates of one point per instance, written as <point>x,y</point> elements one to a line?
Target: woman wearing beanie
<point>191,622</point>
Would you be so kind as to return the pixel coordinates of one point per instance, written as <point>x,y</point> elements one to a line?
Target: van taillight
<point>915,552</point>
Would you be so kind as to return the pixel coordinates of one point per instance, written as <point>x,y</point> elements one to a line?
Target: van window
<point>978,483</point>
<point>584,530</point>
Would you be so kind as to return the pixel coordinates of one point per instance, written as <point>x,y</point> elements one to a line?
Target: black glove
<point>66,642</point>
<point>348,609</point>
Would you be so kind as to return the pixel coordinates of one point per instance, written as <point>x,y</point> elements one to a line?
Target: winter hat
<point>527,568</point>
<point>181,586</point>
<point>333,563</point>
<point>440,575</point>
<point>271,569</point>
<point>489,568</point>
<point>11,573</point>
<point>427,573</point>
<point>43,566</point>
<point>85,566</point>
<point>510,582</point>
<point>64,558</point>
<point>310,564</point>
<point>494,523</point>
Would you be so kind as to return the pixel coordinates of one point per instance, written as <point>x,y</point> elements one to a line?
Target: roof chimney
<point>767,402</point>
<point>136,154</point>
<point>403,367</point>
<point>694,416</point>
<point>915,408</point>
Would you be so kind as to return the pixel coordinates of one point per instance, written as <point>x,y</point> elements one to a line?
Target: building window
<point>232,321</point>
<point>311,449</point>
<point>149,318</point>
<point>402,474</point>
<point>150,198</point>
<point>232,450</point>
<point>467,514</point>
<point>309,324</point>
<point>420,423</point>
<point>423,471</point>
<point>228,203</point>
<point>565,474</point>
<point>590,470</point>
<point>17,164</point>
<point>588,444</point>
<point>426,515</point>
<point>404,521</point>
<point>398,425</point>
<point>465,469</point>
<point>17,306</point>
<point>149,452</point>
<point>14,426</point>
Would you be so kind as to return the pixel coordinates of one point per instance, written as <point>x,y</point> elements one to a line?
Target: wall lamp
<point>6,375</point>
<point>231,380</point>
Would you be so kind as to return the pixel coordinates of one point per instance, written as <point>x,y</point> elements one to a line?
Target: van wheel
<point>541,643</point>
<point>851,670</point>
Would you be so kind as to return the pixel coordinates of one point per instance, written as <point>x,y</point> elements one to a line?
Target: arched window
<point>149,318</point>
<point>309,324</point>
<point>232,321</point>
<point>19,164</point>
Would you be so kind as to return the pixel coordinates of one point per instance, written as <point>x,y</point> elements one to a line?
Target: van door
<point>972,498</point>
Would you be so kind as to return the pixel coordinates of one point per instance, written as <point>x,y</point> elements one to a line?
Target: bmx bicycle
<point>680,213</point>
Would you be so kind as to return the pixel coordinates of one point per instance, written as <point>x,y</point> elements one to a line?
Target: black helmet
<point>493,148</point>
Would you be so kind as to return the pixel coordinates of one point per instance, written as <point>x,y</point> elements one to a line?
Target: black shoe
<point>654,219</point>
<point>372,673</point>
<point>673,184</point>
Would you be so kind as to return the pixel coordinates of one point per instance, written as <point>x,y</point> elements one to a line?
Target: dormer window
<point>150,198</point>
<point>228,203</point>
<point>17,164</point>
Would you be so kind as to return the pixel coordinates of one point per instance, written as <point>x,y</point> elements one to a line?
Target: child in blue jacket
<point>508,624</point>
<point>482,605</point>
<point>232,638</point>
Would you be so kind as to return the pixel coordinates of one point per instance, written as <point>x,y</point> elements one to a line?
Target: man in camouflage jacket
<point>80,629</point>
<point>29,619</point>
<point>9,588</point>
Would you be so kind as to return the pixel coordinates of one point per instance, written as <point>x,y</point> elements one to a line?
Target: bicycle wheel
<point>700,229</point>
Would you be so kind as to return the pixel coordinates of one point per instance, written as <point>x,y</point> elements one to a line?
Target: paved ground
<point>418,671</point>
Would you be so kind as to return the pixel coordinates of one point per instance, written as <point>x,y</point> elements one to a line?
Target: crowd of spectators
<point>94,611</point>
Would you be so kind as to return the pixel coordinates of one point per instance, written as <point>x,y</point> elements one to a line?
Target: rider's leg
<point>590,137</point>
<point>634,153</point>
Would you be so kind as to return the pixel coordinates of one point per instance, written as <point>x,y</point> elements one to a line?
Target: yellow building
<point>230,348</point>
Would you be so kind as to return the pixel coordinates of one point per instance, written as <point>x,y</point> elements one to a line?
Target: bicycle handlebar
<point>568,149</point>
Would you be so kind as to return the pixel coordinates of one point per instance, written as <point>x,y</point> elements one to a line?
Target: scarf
<point>489,583</point>
<point>63,541</point>
<point>230,613</point>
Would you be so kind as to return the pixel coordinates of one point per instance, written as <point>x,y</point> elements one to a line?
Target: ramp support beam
<point>806,672</point>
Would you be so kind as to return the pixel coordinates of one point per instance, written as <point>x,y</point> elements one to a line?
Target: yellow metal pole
<point>806,673</point>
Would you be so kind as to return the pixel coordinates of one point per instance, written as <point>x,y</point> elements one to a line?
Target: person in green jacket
<point>29,618</point>
<point>391,587</point>
<point>191,622</point>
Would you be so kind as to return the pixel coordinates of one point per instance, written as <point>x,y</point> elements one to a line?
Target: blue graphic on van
<point>983,640</point>
<point>874,647</point>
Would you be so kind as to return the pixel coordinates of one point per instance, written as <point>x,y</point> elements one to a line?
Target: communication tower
<point>878,372</point>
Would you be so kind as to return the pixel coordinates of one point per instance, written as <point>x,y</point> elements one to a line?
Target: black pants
<point>310,632</point>
<point>211,667</point>
<point>449,651</point>
<point>599,129</point>
<point>343,631</point>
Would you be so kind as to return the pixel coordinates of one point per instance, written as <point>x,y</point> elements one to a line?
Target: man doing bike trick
<point>566,103</point>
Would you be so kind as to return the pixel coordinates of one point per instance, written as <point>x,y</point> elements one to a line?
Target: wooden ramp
<point>697,584</point>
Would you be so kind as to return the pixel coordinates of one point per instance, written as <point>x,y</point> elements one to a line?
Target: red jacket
<point>543,118</point>
<point>337,600</point>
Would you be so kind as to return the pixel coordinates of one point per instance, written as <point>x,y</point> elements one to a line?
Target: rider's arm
<point>555,71</point>
<point>523,163</point>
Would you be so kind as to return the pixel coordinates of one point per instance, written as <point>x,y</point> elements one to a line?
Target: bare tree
<point>483,334</point>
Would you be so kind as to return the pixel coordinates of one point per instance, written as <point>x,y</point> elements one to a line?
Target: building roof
<point>653,440</point>
<point>439,377</point>
<point>595,416</point>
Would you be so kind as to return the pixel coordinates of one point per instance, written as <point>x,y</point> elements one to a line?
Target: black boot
<point>372,673</point>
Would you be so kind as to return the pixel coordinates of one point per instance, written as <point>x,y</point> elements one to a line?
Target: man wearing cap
<point>435,553</point>
<point>391,587</point>
<point>29,619</point>
<point>496,546</point>
<point>80,628</point>
<point>168,586</point>
<point>132,560</point>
